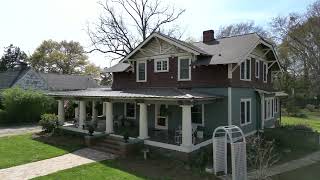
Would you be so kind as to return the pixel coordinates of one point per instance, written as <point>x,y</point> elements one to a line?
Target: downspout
<point>230,95</point>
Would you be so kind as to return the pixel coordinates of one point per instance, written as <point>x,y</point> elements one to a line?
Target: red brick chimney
<point>208,36</point>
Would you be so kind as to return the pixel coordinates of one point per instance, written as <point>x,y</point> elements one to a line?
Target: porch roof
<point>147,93</point>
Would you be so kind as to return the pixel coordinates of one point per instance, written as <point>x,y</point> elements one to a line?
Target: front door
<point>161,116</point>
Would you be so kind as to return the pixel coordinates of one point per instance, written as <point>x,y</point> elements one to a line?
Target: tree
<point>299,39</point>
<point>125,23</point>
<point>92,70</point>
<point>12,56</point>
<point>59,57</point>
<point>240,29</point>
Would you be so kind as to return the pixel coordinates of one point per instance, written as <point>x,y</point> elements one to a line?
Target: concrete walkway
<point>291,165</point>
<point>16,130</point>
<point>48,166</point>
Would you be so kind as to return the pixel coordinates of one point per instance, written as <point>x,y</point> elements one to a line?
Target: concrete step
<point>108,150</point>
<point>109,145</point>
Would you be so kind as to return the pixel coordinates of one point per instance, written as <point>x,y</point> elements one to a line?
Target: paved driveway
<point>15,130</point>
<point>48,166</point>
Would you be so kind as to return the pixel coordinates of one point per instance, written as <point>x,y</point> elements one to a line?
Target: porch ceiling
<point>143,94</point>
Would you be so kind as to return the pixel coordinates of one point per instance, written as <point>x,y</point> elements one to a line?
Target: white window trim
<point>257,71</point>
<point>245,100</point>
<point>161,60</point>
<point>184,57</point>
<point>137,71</point>
<point>265,64</point>
<point>125,111</point>
<point>245,70</point>
<point>269,99</point>
<point>156,118</point>
<point>202,117</point>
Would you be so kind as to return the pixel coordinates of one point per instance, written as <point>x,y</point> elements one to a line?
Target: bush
<point>300,115</point>
<point>3,115</point>
<point>49,122</point>
<point>25,105</point>
<point>310,107</point>
<point>301,127</point>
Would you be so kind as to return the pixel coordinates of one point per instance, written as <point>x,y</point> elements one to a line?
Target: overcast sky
<point>26,23</point>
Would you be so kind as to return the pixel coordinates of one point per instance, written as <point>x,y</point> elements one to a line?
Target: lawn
<point>312,120</point>
<point>134,168</point>
<point>21,149</point>
<point>306,173</point>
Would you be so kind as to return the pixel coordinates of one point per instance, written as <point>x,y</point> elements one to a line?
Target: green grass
<point>96,171</point>
<point>21,149</point>
<point>306,173</point>
<point>312,120</point>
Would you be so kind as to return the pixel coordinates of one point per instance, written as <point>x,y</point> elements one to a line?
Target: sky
<point>27,23</point>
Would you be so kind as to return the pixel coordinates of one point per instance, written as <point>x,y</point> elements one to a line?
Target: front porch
<point>171,123</point>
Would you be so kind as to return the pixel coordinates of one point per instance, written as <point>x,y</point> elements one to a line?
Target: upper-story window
<point>257,69</point>
<point>184,69</point>
<point>141,71</point>
<point>161,65</point>
<point>265,72</point>
<point>245,70</point>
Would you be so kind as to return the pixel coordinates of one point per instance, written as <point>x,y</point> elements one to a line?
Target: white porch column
<point>143,122</point>
<point>76,111</point>
<point>262,110</point>
<point>83,114</point>
<point>103,108</point>
<point>186,126</point>
<point>94,111</point>
<point>109,117</point>
<point>61,116</point>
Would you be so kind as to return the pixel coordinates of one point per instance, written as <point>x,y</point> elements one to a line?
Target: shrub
<point>3,115</point>
<point>49,122</point>
<point>291,107</point>
<point>310,107</point>
<point>301,127</point>
<point>300,115</point>
<point>25,105</point>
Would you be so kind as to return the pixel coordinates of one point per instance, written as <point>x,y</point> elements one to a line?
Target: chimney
<point>208,36</point>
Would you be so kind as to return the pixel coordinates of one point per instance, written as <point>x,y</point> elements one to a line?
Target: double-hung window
<point>257,72</point>
<point>265,72</point>
<point>184,69</point>
<point>245,111</point>
<point>269,108</point>
<point>197,114</point>
<point>276,105</point>
<point>130,110</point>
<point>161,111</point>
<point>245,70</point>
<point>141,71</point>
<point>161,65</point>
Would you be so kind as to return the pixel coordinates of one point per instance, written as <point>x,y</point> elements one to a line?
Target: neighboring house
<point>172,90</point>
<point>26,78</point>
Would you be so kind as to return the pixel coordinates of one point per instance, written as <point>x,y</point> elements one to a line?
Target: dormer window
<point>245,70</point>
<point>265,72</point>
<point>141,71</point>
<point>257,69</point>
<point>184,69</point>
<point>161,65</point>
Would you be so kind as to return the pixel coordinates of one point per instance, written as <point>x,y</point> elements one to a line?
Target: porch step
<point>110,144</point>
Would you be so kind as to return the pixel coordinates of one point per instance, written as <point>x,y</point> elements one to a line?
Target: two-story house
<point>174,93</point>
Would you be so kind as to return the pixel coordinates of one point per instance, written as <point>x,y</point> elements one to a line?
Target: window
<point>245,111</point>
<point>142,71</point>
<point>130,110</point>
<point>245,70</point>
<point>257,69</point>
<point>197,114</point>
<point>265,72</point>
<point>184,69</point>
<point>269,108</point>
<point>161,111</point>
<point>161,65</point>
<point>276,105</point>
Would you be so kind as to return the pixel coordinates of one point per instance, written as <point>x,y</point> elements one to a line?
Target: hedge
<point>24,105</point>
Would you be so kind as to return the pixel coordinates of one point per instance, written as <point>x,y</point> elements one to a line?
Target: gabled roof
<point>230,49</point>
<point>8,78</point>
<point>120,67</point>
<point>58,82</point>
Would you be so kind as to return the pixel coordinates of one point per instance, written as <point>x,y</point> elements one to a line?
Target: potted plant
<point>126,136</point>
<point>90,129</point>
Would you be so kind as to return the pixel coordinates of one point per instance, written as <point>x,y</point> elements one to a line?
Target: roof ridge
<point>233,36</point>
